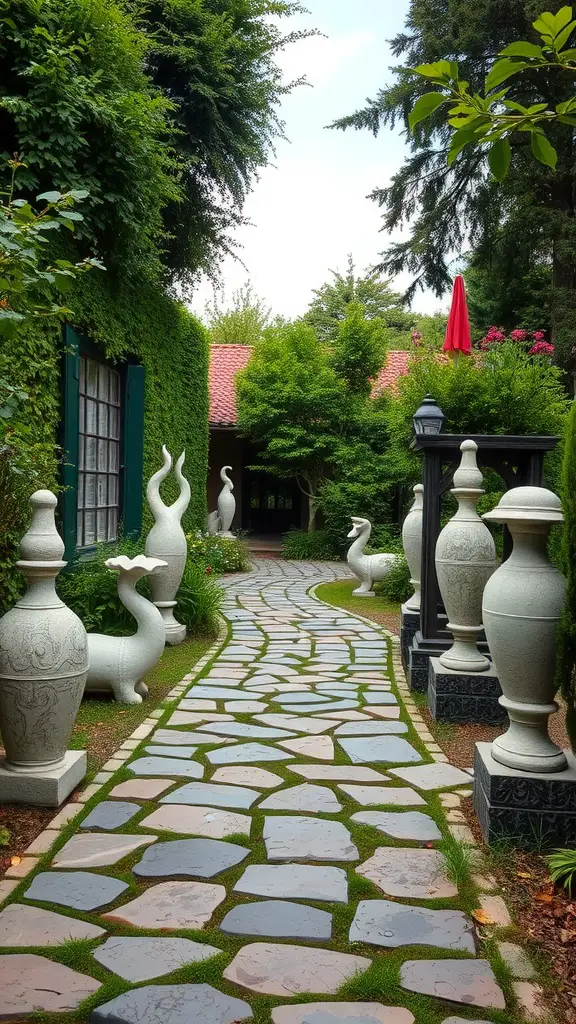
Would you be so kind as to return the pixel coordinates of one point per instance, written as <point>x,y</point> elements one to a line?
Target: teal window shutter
<point>69,438</point>
<point>133,450</point>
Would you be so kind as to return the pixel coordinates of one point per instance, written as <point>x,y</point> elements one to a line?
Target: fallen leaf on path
<point>482,917</point>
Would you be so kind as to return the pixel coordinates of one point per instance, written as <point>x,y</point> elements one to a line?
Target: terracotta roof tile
<point>227,360</point>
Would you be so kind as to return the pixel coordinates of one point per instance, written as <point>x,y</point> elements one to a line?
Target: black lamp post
<point>429,418</point>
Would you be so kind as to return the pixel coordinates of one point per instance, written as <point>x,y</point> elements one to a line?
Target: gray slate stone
<point>247,753</point>
<point>110,814</point>
<point>166,766</point>
<point>29,983</point>
<point>306,797</point>
<point>24,926</point>
<point>299,696</point>
<point>80,890</point>
<point>297,837</point>
<point>194,858</point>
<point>379,697</point>
<point>172,738</point>
<point>401,824</point>
<point>141,959</point>
<point>382,923</point>
<point>470,982</point>
<point>371,728</point>
<point>335,705</point>
<point>172,1004</point>
<point>246,731</point>
<point>278,919</point>
<point>295,881</point>
<point>434,776</point>
<point>341,1013</point>
<point>210,794</point>
<point>218,693</point>
<point>168,751</point>
<point>379,750</point>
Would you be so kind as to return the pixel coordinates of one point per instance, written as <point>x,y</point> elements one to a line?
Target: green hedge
<point>129,318</point>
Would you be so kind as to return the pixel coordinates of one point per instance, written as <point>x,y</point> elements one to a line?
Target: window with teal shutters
<point>103,426</point>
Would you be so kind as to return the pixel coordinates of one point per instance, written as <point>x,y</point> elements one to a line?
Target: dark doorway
<point>270,506</point>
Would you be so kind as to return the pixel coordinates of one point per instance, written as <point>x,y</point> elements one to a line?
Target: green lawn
<point>385,613</point>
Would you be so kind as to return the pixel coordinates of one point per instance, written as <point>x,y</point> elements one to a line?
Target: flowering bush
<point>218,554</point>
<point>533,342</point>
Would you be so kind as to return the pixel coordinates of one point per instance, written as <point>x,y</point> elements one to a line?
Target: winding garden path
<point>273,845</point>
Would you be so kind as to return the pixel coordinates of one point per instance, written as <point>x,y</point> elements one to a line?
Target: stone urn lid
<point>530,504</point>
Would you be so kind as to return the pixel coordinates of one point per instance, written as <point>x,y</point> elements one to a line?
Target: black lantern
<point>429,418</point>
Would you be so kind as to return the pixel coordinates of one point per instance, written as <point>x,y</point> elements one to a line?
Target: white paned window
<point>99,455</point>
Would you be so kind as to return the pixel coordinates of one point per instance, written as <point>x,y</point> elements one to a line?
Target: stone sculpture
<point>412,543</point>
<point>167,541</point>
<point>43,666</point>
<point>465,560</point>
<point>368,568</point>
<point>220,521</point>
<point>521,608</point>
<point>119,662</point>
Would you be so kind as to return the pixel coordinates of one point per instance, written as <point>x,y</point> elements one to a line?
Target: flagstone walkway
<point>270,847</point>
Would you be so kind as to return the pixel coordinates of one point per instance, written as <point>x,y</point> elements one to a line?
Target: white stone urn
<point>465,560</point>
<point>412,543</point>
<point>167,541</point>
<point>521,609</point>
<point>118,663</point>
<point>43,653</point>
<point>226,503</point>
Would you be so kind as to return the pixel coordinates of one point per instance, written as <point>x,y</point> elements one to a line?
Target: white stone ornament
<point>118,663</point>
<point>412,543</point>
<point>167,541</point>
<point>43,665</point>
<point>368,568</point>
<point>521,609</point>
<point>226,503</point>
<point>465,560</point>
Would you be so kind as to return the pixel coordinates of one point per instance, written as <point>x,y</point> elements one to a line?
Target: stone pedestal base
<point>46,787</point>
<point>423,649</point>
<point>464,697</point>
<point>409,624</point>
<point>175,634</point>
<point>530,810</point>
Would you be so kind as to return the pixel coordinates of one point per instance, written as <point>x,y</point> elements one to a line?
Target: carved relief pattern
<point>39,716</point>
<point>48,650</point>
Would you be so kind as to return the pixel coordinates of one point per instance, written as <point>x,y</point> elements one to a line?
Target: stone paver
<point>171,906</point>
<point>401,825</point>
<point>197,858</point>
<point>306,797</point>
<point>29,983</point>
<point>409,873</point>
<point>295,881</point>
<point>297,837</point>
<point>247,776</point>
<point>373,796</point>
<point>279,919</point>
<point>142,959</point>
<point>284,970</point>
<point>342,1013</point>
<point>213,795</point>
<point>297,719</point>
<point>21,925</point>
<point>211,822</point>
<point>98,850</point>
<point>382,923</point>
<point>172,1004</point>
<point>81,890</point>
<point>470,982</point>
<point>110,814</point>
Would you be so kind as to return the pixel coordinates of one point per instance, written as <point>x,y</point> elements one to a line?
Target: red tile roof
<point>227,360</point>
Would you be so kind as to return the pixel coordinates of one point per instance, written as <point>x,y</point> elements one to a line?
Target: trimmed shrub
<point>396,585</point>
<point>91,590</point>
<point>315,546</point>
<point>218,554</point>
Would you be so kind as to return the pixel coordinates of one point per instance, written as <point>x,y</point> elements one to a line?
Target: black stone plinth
<point>423,649</point>
<point>529,810</point>
<point>464,696</point>
<point>409,624</point>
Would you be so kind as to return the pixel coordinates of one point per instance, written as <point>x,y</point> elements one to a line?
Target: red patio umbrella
<point>458,337</point>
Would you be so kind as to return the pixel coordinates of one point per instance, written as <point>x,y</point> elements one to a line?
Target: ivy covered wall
<point>129,319</point>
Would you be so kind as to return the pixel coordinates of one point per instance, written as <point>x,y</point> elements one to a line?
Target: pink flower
<point>416,338</point>
<point>518,335</point>
<point>541,348</point>
<point>538,336</point>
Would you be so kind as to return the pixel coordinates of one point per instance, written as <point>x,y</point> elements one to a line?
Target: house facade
<point>265,505</point>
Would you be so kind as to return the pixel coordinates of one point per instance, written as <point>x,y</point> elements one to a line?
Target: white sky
<point>310,209</point>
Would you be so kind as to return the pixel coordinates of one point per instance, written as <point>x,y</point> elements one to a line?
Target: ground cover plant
<point>218,554</point>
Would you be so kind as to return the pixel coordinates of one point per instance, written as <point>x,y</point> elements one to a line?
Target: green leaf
<point>502,70</point>
<point>567,55</point>
<point>460,139</point>
<point>50,197</point>
<point>522,50</point>
<point>567,119</point>
<point>440,69</point>
<point>543,150</point>
<point>499,158</point>
<point>563,36</point>
<point>425,106</point>
<point>72,215</point>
